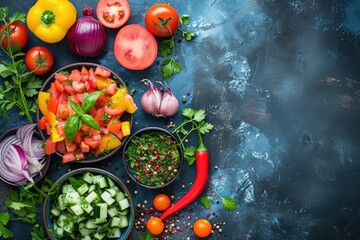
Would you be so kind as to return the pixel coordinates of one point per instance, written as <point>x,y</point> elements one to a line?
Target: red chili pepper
<point>202,173</point>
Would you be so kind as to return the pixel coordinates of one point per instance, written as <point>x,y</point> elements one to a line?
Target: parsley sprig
<point>23,205</point>
<point>23,85</point>
<point>169,65</point>
<point>228,203</point>
<point>195,119</point>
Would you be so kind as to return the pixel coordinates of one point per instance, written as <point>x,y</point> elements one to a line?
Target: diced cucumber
<point>111,191</point>
<point>110,182</point>
<point>55,211</point>
<point>85,231</point>
<point>69,227</point>
<point>59,231</point>
<point>88,177</point>
<point>114,233</point>
<point>100,220</point>
<point>124,204</point>
<point>92,188</point>
<point>102,182</point>
<point>124,212</point>
<point>90,224</point>
<point>67,188</point>
<point>100,210</point>
<point>80,218</point>
<point>119,196</point>
<point>106,196</point>
<point>113,211</point>
<point>124,221</point>
<point>85,238</point>
<point>77,209</point>
<point>86,206</point>
<point>99,236</point>
<point>62,220</point>
<point>83,189</point>
<point>62,202</point>
<point>91,197</point>
<point>116,188</point>
<point>115,222</point>
<point>72,198</point>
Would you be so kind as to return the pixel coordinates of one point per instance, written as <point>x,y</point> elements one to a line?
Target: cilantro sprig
<point>228,203</point>
<point>23,205</point>
<point>195,120</point>
<point>169,65</point>
<point>22,85</point>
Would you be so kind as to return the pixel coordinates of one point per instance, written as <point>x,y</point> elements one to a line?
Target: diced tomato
<point>53,91</point>
<point>79,156</point>
<point>102,100</point>
<point>98,117</point>
<point>71,111</point>
<point>53,104</point>
<point>75,75</point>
<point>84,71</point>
<point>47,128</point>
<point>61,127</point>
<point>61,77</point>
<point>114,125</point>
<point>62,111</point>
<point>100,71</point>
<point>120,135</point>
<point>74,99</point>
<point>68,157</point>
<point>96,137</point>
<point>78,137</point>
<point>91,142</point>
<point>84,78</point>
<point>63,98</point>
<point>87,86</point>
<point>70,146</point>
<point>94,132</point>
<point>50,147</point>
<point>92,78</point>
<point>84,147</point>
<point>105,131</point>
<point>60,147</point>
<point>42,123</point>
<point>79,96</point>
<point>69,89</point>
<point>111,89</point>
<point>78,86</point>
<point>85,127</point>
<point>51,119</point>
<point>59,86</point>
<point>92,111</point>
<point>113,112</point>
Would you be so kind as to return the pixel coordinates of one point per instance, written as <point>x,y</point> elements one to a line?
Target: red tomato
<point>39,59</point>
<point>162,20</point>
<point>113,14</point>
<point>202,228</point>
<point>135,47</point>
<point>155,225</point>
<point>161,202</point>
<point>19,35</point>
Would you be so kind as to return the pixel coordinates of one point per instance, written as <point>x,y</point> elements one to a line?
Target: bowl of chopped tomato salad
<point>85,113</point>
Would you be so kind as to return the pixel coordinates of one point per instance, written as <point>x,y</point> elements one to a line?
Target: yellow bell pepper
<point>108,142</point>
<point>117,100</point>
<point>125,128</point>
<point>50,20</point>
<point>43,99</point>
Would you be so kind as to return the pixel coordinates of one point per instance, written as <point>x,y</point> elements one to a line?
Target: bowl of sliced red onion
<point>22,157</point>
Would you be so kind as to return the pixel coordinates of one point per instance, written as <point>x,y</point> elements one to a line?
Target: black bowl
<point>125,116</point>
<point>133,175</point>
<point>64,178</point>
<point>37,177</point>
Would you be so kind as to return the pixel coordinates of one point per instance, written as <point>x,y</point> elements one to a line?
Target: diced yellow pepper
<point>125,128</point>
<point>117,100</point>
<point>43,99</point>
<point>109,142</point>
<point>55,136</point>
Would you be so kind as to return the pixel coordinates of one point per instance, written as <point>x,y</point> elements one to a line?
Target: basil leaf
<point>89,100</point>
<point>72,126</point>
<point>76,107</point>
<point>90,121</point>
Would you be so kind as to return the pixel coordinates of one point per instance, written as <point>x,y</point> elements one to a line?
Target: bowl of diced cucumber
<point>88,203</point>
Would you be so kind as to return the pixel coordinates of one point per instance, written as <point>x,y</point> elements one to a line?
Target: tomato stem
<point>164,22</point>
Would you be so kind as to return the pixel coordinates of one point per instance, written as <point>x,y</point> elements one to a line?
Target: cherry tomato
<point>161,202</point>
<point>135,47</point>
<point>39,56</point>
<point>18,36</point>
<point>113,14</point>
<point>162,20</point>
<point>155,225</point>
<point>202,228</point>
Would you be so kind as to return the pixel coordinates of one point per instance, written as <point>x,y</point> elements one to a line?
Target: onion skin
<point>87,37</point>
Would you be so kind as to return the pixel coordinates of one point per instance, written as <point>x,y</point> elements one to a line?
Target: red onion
<point>87,37</point>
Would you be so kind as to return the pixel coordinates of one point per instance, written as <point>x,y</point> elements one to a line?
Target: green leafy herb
<point>132,91</point>
<point>24,204</point>
<point>169,65</point>
<point>38,233</point>
<point>74,122</point>
<point>22,85</point>
<point>196,120</point>
<point>76,183</point>
<point>147,236</point>
<point>206,201</point>
<point>227,202</point>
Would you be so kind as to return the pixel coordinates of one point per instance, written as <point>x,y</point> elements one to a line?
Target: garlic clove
<point>151,100</point>
<point>169,104</point>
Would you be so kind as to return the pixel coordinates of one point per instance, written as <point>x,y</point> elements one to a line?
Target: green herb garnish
<point>206,201</point>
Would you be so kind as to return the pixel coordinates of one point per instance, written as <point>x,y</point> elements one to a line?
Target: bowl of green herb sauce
<point>152,157</point>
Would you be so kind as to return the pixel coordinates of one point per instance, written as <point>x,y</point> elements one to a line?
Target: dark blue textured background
<point>279,79</point>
